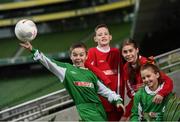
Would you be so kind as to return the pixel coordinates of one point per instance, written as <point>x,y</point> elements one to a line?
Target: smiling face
<point>130,53</point>
<point>102,37</point>
<point>78,56</point>
<point>150,78</point>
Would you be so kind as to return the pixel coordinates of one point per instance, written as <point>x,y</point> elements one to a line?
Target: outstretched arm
<point>110,95</point>
<point>55,67</point>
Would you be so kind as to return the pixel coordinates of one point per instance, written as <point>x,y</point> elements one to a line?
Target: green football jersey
<point>82,85</point>
<point>143,105</point>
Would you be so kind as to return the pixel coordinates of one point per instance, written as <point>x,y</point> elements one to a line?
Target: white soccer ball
<point>25,30</point>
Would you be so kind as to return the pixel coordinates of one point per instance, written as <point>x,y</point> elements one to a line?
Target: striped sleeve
<point>49,64</point>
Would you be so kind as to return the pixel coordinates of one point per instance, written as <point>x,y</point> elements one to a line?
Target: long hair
<point>131,70</point>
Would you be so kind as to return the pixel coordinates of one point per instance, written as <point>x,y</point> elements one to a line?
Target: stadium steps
<point>34,109</point>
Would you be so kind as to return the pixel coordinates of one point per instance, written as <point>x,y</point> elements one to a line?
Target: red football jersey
<point>106,66</point>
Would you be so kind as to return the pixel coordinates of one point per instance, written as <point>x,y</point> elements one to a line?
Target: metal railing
<point>170,61</point>
<point>36,108</point>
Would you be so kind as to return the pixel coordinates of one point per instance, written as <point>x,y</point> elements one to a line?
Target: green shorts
<point>91,112</point>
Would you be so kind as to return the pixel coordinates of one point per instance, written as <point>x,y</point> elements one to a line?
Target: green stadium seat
<point>172,110</point>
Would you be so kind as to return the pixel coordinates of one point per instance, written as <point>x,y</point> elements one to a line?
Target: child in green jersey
<point>143,106</point>
<point>81,83</point>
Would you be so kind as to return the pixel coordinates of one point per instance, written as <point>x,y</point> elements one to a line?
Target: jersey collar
<point>149,91</point>
<point>103,50</point>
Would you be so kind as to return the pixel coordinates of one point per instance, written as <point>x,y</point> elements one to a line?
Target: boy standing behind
<point>106,63</point>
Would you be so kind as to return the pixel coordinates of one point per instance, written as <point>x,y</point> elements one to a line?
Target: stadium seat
<point>172,110</point>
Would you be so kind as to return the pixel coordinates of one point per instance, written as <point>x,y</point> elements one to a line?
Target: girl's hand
<point>158,99</point>
<point>26,45</point>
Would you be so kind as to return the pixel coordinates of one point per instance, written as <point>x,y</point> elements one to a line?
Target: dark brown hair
<point>129,41</point>
<point>100,26</point>
<point>150,65</point>
<point>77,45</point>
<point>153,67</point>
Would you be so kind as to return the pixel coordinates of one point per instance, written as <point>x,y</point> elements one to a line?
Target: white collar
<point>80,67</point>
<point>103,50</point>
<point>149,91</point>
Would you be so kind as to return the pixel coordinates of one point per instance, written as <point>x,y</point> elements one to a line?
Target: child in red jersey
<point>106,63</point>
<point>132,77</point>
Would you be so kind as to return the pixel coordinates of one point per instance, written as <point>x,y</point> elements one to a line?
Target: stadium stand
<point>83,22</point>
<point>31,3</point>
<point>43,15</point>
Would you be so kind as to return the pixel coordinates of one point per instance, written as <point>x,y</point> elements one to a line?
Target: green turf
<point>58,42</point>
<point>19,90</point>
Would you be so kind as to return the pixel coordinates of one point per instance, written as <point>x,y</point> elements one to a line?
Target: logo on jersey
<point>102,61</point>
<point>84,84</point>
<point>110,72</point>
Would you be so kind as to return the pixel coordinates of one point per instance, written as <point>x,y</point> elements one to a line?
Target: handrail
<point>44,110</point>
<point>37,99</point>
<point>36,108</point>
<point>171,65</point>
<point>169,61</point>
<point>168,53</point>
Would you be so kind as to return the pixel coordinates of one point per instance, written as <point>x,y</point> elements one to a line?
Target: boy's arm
<point>98,73</point>
<point>50,65</point>
<point>110,95</point>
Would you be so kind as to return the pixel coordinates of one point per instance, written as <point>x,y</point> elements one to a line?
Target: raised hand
<point>158,99</point>
<point>26,45</point>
